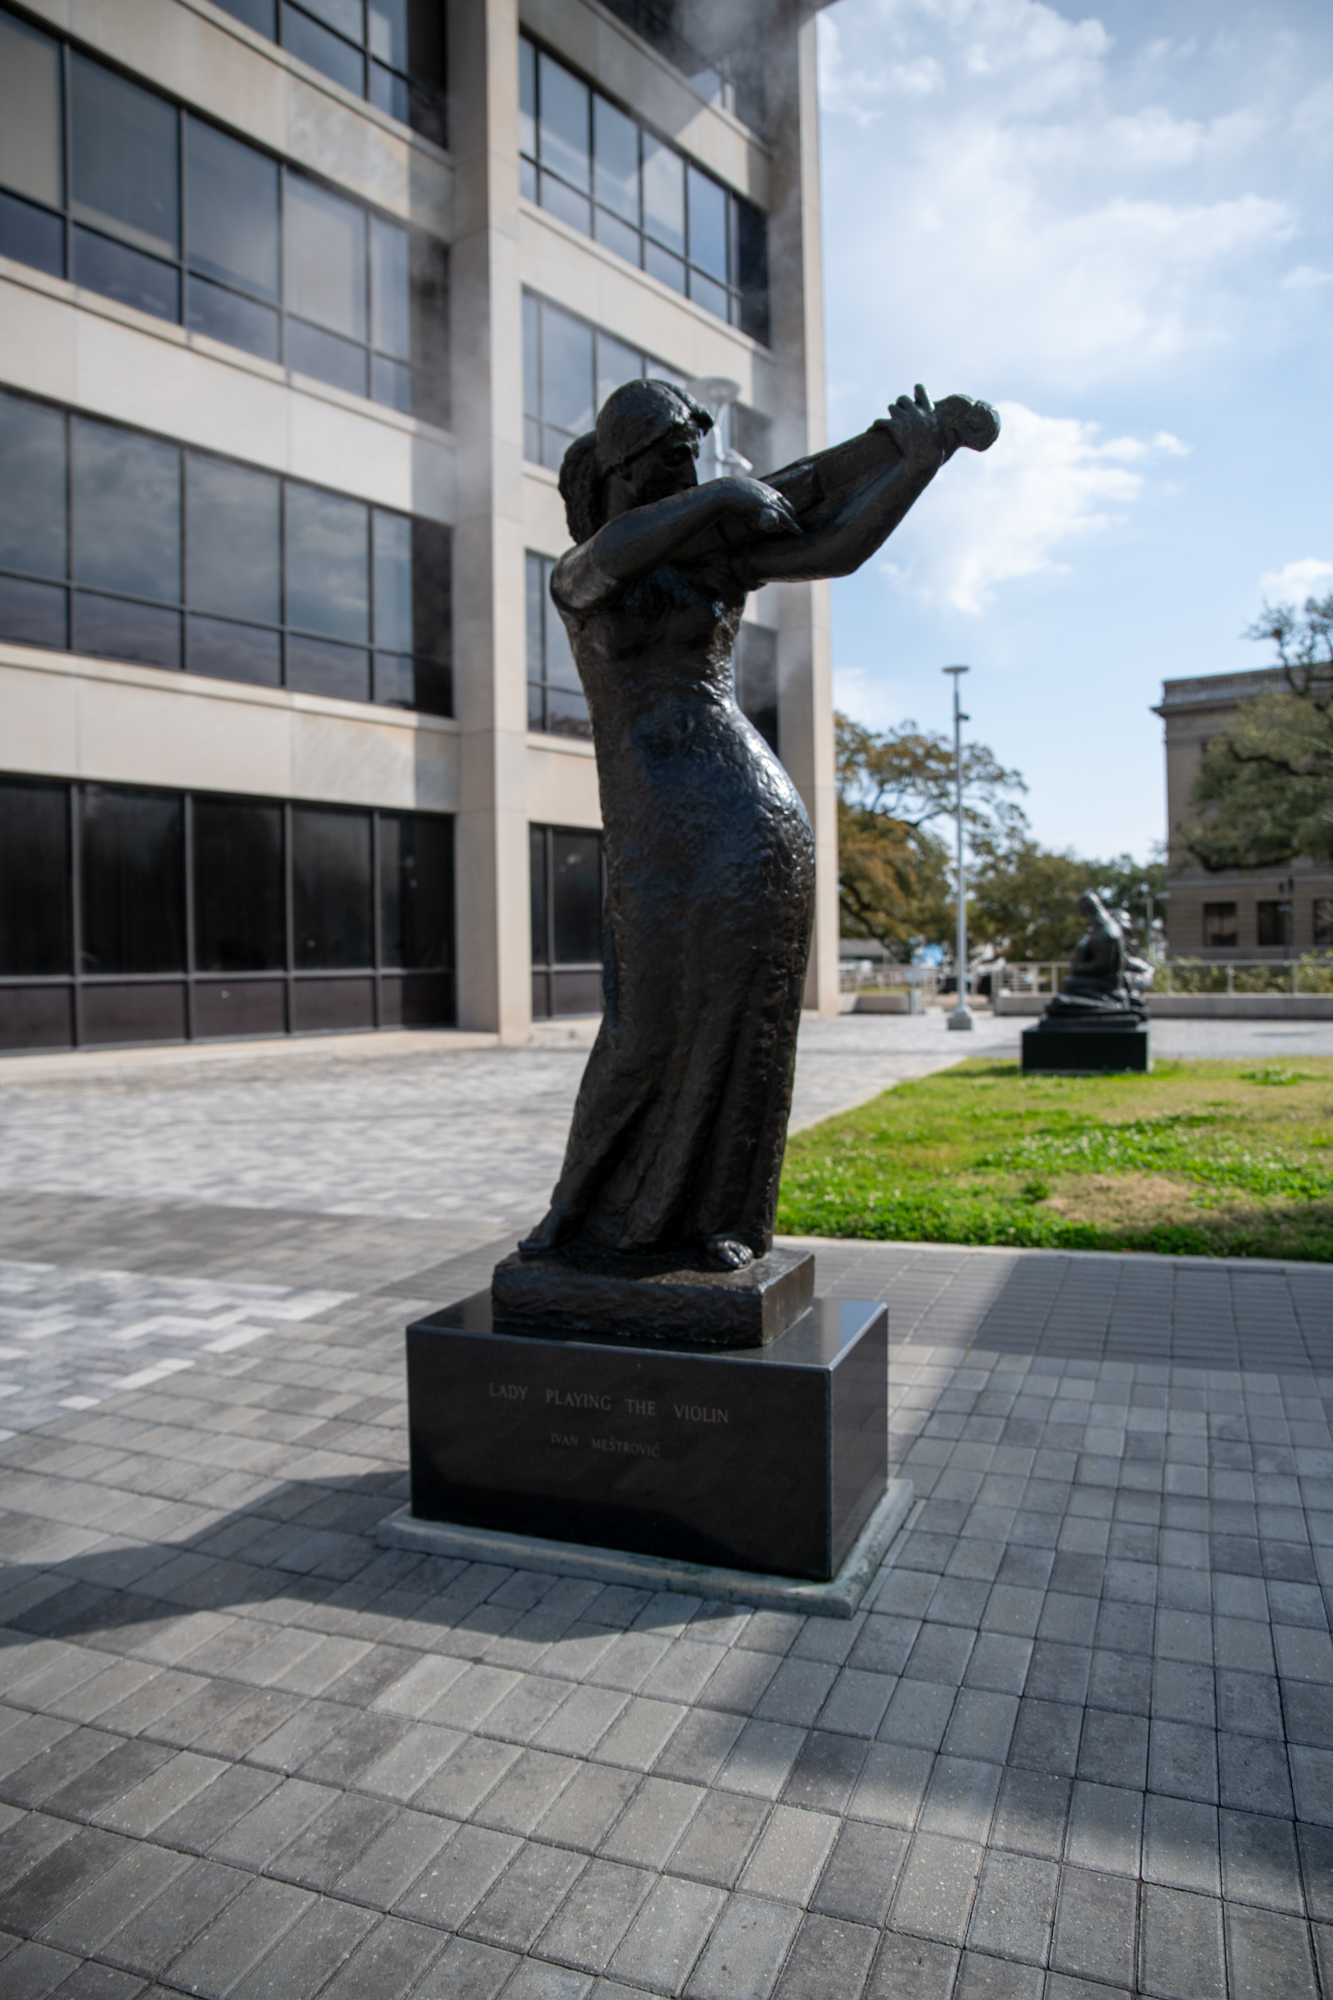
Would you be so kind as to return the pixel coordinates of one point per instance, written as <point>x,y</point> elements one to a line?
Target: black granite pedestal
<point>768,1458</point>
<point>1080,1051</point>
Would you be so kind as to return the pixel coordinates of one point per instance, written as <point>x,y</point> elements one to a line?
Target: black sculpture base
<point>1086,1050</point>
<point>768,1458</point>
<point>634,1301</point>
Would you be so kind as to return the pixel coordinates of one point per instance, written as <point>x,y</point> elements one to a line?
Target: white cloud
<point>1041,216</point>
<point>1047,485</point>
<point>1295,581</point>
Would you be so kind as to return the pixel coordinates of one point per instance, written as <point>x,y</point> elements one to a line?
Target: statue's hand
<point>915,430</point>
<point>756,507</point>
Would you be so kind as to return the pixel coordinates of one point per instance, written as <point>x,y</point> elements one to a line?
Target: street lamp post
<point>961,1017</point>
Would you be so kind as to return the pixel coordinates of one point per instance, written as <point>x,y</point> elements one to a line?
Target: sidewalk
<point>1080,1744</point>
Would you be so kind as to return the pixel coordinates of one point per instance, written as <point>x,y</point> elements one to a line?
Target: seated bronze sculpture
<point>1106,985</point>
<point>678,1133</point>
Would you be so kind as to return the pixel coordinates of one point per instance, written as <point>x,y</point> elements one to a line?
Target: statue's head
<point>644,448</point>
<point>1094,911</point>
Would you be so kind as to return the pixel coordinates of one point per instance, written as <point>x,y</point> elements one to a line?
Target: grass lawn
<point>1219,1159</point>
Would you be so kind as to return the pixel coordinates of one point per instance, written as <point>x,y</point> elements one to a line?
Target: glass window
<point>1274,924</point>
<point>708,225</point>
<point>556,701</point>
<point>261,15</point>
<point>126,510</point>
<point>328,580</point>
<point>564,137</point>
<point>567,378</point>
<point>650,205</point>
<point>34,878</point>
<point>616,153</point>
<point>132,880</point>
<point>121,630</point>
<point>540,897</point>
<point>416,890</point>
<point>125,161</point>
<point>664,194</point>
<point>239,904</point>
<point>331,895</point>
<point>235,540</point>
<point>432,591</point>
<point>231,318</point>
<point>393,580</point>
<point>527,100</point>
<point>230,652</point>
<point>119,272</point>
<point>1323,921</point>
<point>325,255</point>
<point>32,492</point>
<point>31,128</point>
<point>391,289</point>
<point>318,666</point>
<point>328,53</point>
<point>1219,926</point>
<point>347,17</point>
<point>231,211</point>
<point>576,897</point>
<point>34,614</point>
<point>616,365</point>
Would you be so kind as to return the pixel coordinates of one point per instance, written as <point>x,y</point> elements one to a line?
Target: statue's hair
<point>631,420</point>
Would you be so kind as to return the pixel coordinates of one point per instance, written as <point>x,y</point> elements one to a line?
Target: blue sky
<point>1115,224</point>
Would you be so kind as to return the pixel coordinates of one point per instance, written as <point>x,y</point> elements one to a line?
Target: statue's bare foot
<point>727,1253</point>
<point>546,1237</point>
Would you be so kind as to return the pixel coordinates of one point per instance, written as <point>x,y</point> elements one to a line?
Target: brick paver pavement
<point>1078,1744</point>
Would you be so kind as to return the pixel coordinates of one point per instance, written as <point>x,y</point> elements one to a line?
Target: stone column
<point>494,971</point>
<point>805,712</point>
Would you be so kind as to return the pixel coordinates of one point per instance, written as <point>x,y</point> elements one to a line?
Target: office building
<point>1237,913</point>
<point>301,302</point>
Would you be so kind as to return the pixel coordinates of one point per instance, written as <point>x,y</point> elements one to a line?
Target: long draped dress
<point>680,1124</point>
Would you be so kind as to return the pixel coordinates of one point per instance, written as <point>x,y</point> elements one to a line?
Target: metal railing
<point>865,976</point>
<point>1312,973</point>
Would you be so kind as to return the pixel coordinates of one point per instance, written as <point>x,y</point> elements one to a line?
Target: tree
<point>1025,897</point>
<point>893,865</point>
<point>1264,790</point>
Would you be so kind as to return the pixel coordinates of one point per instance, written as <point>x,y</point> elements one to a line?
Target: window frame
<point>746,304</point>
<point>540,686</point>
<point>426,100</point>
<point>439,667</point>
<point>179,265</point>
<point>388,981</point>
<point>651,367</point>
<point>556,980</point>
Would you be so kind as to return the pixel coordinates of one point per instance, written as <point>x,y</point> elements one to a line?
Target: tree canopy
<point>893,865</point>
<point>1024,898</point>
<point>1264,790</point>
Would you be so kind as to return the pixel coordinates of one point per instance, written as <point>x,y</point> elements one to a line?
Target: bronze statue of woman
<point>679,1129</point>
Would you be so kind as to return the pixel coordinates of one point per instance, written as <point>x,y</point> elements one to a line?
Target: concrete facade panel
<point>562,784</point>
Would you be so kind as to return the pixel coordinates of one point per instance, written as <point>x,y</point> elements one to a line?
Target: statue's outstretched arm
<point>848,500</point>
<point>644,537</point>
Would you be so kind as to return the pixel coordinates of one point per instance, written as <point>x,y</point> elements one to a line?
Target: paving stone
<point>332,1841</point>
<point>237,1939</point>
<point>388,1964</point>
<point>666,1937</point>
<point>317,1945</point>
<point>648,1830</point>
<point>1031,1814</point>
<point>718,1839</point>
<point>1095,1926</point>
<point>526,1792</point>
<point>158,1932</point>
<point>936,1887</point>
<point>455,1881</point>
<point>862,1872</point>
<point>467,1970</point>
<point>1180,1945</point>
<point>63,1872</point>
<point>142,1872</point>
<point>589,1806</point>
<point>599,1909</point>
<point>1014,1908</point>
<point>745,1950</point>
<point>960,1798</point>
<point>33,1971</point>
<point>909,1968</point>
<point>526,1896</point>
<point>790,1855</point>
<point>467,1776</point>
<point>892,1784</point>
<point>827,1956</point>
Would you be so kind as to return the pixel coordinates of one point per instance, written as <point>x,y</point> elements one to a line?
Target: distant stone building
<point>1240,912</point>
